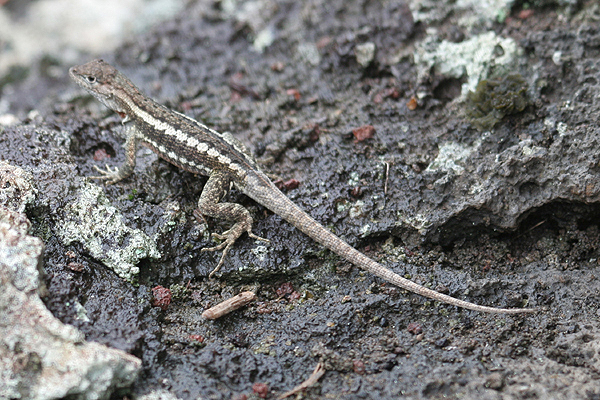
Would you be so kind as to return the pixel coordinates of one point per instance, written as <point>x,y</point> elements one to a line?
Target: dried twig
<point>229,305</point>
<point>312,379</point>
<point>387,177</point>
<point>530,229</point>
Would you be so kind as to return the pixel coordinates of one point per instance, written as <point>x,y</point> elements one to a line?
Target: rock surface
<point>504,216</point>
<point>40,357</point>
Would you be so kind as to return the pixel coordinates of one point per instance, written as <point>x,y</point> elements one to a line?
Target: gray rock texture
<point>40,357</point>
<point>480,180</point>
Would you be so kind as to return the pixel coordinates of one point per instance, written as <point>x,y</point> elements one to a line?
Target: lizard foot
<point>229,237</point>
<point>108,174</point>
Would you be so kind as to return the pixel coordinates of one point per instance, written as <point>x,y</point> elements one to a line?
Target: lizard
<point>194,147</point>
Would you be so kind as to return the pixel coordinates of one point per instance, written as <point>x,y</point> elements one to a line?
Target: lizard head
<point>101,80</point>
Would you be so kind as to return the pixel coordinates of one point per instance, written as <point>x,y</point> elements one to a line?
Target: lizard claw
<point>227,245</point>
<point>229,238</point>
<point>253,236</point>
<point>108,174</point>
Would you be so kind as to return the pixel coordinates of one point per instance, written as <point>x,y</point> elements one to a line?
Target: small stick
<point>312,379</point>
<point>530,229</point>
<point>387,176</point>
<point>229,305</point>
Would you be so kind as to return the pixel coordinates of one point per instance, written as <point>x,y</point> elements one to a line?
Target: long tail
<point>301,220</point>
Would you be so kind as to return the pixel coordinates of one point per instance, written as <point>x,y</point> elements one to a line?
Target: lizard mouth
<point>73,73</point>
<point>76,77</point>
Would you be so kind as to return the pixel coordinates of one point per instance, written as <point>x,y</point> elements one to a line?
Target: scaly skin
<point>196,148</point>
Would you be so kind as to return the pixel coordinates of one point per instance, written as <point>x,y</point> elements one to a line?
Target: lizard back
<point>175,137</point>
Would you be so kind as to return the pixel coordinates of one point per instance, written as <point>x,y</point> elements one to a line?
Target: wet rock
<point>92,221</point>
<point>41,358</point>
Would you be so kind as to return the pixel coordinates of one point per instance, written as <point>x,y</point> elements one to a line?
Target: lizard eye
<point>91,78</point>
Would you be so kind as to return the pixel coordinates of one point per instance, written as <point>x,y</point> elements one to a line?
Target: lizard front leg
<point>216,187</point>
<point>125,169</point>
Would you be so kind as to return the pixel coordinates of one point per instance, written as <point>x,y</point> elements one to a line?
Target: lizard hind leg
<point>216,187</point>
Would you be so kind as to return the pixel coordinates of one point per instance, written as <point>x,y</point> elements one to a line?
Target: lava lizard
<point>196,148</point>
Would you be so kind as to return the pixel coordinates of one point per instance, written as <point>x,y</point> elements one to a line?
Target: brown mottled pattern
<point>199,149</point>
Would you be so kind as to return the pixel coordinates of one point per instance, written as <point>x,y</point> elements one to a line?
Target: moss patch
<point>494,99</point>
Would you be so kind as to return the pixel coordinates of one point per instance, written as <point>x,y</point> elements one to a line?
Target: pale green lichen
<point>450,157</point>
<point>473,59</point>
<point>421,223</point>
<point>469,13</point>
<point>18,189</point>
<point>92,221</point>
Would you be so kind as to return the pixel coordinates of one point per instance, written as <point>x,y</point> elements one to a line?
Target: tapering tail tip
<point>511,311</point>
<point>485,309</point>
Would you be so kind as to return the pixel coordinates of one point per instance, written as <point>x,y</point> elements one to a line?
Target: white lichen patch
<point>353,179</point>
<point>468,12</point>
<point>421,223</point>
<point>365,230</point>
<point>365,53</point>
<point>92,221</point>
<point>488,10</point>
<point>64,365</point>
<point>260,251</point>
<point>160,394</point>
<point>81,312</point>
<point>357,209</point>
<point>450,157</point>
<point>308,53</point>
<point>16,187</point>
<point>472,59</point>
